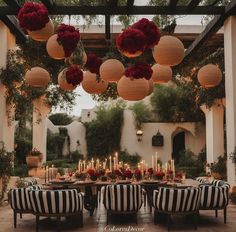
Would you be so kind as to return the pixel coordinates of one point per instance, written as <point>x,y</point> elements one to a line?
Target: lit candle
<point>152,162</point>
<point>158,167</point>
<point>79,166</point>
<point>156,162</point>
<point>117,160</point>
<point>92,163</point>
<point>114,163</point>
<point>45,169</point>
<point>52,171</point>
<point>84,165</point>
<point>110,164</point>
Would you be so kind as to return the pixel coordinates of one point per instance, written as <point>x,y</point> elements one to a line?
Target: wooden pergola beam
<point>49,4</point>
<point>173,3</point>
<point>124,10</point>
<point>193,4</point>
<point>14,4</point>
<point>213,26</point>
<point>12,24</point>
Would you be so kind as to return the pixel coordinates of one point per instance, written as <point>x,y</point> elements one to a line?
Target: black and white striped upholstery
<point>215,195</point>
<point>19,199</point>
<point>123,198</point>
<point>174,200</point>
<point>203,179</point>
<point>56,201</point>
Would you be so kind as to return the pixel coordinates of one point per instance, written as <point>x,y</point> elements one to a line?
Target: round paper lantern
<point>209,76</point>
<point>161,73</point>
<point>37,77</point>
<point>131,55</point>
<point>150,86</point>
<point>54,49</point>
<point>91,85</point>
<point>132,89</point>
<point>169,51</point>
<point>63,83</point>
<point>111,70</point>
<point>44,33</point>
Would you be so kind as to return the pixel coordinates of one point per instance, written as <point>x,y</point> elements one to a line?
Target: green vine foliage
<point>141,114</point>
<point>103,134</point>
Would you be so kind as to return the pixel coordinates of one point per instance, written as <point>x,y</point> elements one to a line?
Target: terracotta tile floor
<point>207,223</point>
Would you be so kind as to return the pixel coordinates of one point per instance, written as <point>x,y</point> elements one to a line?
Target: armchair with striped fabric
<point>122,199</point>
<point>215,196</point>
<point>19,201</point>
<point>176,201</point>
<point>56,203</point>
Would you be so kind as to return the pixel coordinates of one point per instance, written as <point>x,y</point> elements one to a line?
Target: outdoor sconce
<point>139,134</point>
<point>158,140</point>
<point>88,114</point>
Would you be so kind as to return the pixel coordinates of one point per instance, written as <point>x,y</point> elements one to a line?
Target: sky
<point>85,101</point>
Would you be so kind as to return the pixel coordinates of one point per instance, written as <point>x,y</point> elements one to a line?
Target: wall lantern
<point>158,140</point>
<point>139,134</point>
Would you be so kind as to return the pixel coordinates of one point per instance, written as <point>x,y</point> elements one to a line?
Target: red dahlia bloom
<point>150,171</point>
<point>91,172</point>
<point>139,70</point>
<point>150,30</point>
<point>68,37</point>
<point>93,63</point>
<point>74,75</point>
<point>128,174</point>
<point>131,40</point>
<point>33,16</point>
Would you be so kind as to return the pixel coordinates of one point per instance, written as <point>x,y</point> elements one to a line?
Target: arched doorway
<point>178,144</point>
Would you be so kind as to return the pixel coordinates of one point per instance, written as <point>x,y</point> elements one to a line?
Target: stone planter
<point>33,161</point>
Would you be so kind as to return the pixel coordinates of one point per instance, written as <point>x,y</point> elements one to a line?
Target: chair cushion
<point>122,197</point>
<point>176,199</point>
<point>203,179</point>
<point>213,196</point>
<point>56,201</point>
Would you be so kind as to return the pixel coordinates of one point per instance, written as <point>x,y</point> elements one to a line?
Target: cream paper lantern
<point>209,76</point>
<point>150,86</point>
<point>37,77</point>
<point>169,51</point>
<point>91,85</point>
<point>161,73</point>
<point>54,49</point>
<point>132,89</point>
<point>63,83</point>
<point>44,34</point>
<point>111,70</point>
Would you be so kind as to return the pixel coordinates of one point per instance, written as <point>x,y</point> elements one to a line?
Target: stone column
<point>7,112</point>
<point>40,112</point>
<point>230,91</point>
<point>214,117</point>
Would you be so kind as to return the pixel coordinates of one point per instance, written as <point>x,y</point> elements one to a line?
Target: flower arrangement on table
<point>159,175</point>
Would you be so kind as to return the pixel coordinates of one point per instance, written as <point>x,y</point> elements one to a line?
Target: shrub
<point>220,166</point>
<point>76,156</point>
<point>21,171</point>
<point>60,119</point>
<point>133,160</point>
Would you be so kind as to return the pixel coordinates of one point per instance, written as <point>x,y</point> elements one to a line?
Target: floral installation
<point>92,174</point>
<point>159,175</point>
<point>33,16</point>
<point>111,175</point>
<point>128,174</point>
<point>138,174</point>
<point>35,152</point>
<point>93,63</point>
<point>139,70</point>
<point>150,171</point>
<point>150,30</point>
<point>80,175</point>
<point>131,40</point>
<point>68,37</point>
<point>73,75</point>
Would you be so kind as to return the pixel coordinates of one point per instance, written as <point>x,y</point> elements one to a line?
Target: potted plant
<point>218,169</point>
<point>34,158</point>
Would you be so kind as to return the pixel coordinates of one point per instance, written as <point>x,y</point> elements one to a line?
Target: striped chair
<point>56,203</point>
<point>203,179</point>
<point>215,196</point>
<point>19,201</point>
<point>176,201</point>
<point>122,199</point>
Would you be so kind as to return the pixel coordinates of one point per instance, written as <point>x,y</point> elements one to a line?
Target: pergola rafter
<point>49,4</point>
<point>13,4</point>
<point>193,4</point>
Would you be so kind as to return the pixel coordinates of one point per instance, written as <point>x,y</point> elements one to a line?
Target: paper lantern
<point>150,86</point>
<point>54,49</point>
<point>169,51</point>
<point>111,70</point>
<point>132,89</point>
<point>91,85</point>
<point>63,83</point>
<point>209,76</point>
<point>161,73</point>
<point>37,77</point>
<point>131,55</point>
<point>43,34</point>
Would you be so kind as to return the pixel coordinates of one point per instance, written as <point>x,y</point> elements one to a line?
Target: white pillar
<point>230,91</point>
<point>7,112</point>
<point>214,130</point>
<point>40,112</point>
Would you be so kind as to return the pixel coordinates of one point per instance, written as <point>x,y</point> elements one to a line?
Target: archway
<point>178,144</point>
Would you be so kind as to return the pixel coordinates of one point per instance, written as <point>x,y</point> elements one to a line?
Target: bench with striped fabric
<point>176,201</point>
<point>56,203</point>
<point>122,199</point>
<point>19,201</point>
<point>215,196</point>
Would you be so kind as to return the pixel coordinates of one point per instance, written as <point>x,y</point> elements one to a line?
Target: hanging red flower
<point>139,70</point>
<point>150,30</point>
<point>74,75</point>
<point>33,16</point>
<point>68,37</point>
<point>93,63</point>
<point>131,41</point>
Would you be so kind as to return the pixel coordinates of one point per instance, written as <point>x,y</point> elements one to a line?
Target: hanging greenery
<point>103,134</point>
